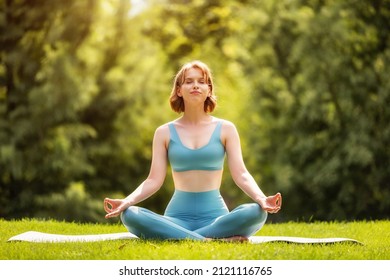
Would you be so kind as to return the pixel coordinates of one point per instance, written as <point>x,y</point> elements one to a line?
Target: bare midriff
<point>197,180</point>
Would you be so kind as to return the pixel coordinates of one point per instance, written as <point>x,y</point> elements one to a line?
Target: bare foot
<point>236,238</point>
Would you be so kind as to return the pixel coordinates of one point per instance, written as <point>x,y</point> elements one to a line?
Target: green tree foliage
<point>72,101</point>
<point>42,92</point>
<point>84,84</point>
<point>321,98</point>
<point>74,204</point>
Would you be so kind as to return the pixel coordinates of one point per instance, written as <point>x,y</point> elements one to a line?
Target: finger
<point>273,211</point>
<point>111,215</point>
<point>278,199</point>
<point>269,209</point>
<point>108,206</point>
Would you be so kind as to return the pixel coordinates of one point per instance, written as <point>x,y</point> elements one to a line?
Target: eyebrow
<point>201,78</point>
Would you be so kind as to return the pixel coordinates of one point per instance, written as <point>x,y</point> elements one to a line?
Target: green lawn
<point>375,236</point>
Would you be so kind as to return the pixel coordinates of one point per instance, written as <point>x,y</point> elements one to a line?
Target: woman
<point>195,146</point>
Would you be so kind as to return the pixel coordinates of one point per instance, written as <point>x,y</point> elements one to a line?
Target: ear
<point>178,92</point>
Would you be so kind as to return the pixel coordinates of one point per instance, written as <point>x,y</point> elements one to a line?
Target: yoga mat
<point>41,237</point>
<point>302,240</point>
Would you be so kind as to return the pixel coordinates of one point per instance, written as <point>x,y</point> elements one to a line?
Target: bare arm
<point>152,183</point>
<point>241,175</point>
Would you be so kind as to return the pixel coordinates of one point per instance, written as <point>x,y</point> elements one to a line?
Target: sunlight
<point>137,6</point>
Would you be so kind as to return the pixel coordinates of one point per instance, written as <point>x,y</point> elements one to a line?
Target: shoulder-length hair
<point>177,102</point>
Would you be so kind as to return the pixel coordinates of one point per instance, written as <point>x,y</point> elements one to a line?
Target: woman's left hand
<point>272,204</point>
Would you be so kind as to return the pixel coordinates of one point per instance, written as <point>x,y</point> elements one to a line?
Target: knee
<point>128,215</point>
<point>255,213</point>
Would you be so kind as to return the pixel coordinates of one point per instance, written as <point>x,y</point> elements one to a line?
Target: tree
<point>39,106</point>
<point>83,85</point>
<point>74,97</point>
<point>320,98</point>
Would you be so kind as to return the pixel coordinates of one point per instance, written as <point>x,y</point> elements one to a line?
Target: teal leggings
<point>195,215</point>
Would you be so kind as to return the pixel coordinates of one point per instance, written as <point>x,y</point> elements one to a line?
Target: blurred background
<point>84,84</point>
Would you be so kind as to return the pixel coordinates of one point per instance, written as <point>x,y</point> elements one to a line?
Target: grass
<point>375,236</point>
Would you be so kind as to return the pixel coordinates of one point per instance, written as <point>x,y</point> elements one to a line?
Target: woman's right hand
<point>272,204</point>
<point>114,207</point>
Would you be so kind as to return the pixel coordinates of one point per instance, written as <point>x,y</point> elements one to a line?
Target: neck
<point>195,117</point>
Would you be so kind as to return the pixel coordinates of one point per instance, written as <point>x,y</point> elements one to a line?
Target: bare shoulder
<point>228,126</point>
<point>163,128</point>
<point>162,133</point>
<point>228,131</point>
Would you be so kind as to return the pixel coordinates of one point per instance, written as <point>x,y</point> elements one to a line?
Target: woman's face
<point>195,86</point>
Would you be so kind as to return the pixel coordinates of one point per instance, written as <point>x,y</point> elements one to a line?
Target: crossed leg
<point>149,225</point>
<point>244,220</point>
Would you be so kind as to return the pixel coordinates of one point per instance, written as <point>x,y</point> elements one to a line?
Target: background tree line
<point>84,84</point>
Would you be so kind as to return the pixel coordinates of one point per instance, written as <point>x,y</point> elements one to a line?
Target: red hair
<point>177,102</point>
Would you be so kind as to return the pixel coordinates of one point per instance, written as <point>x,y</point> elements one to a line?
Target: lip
<point>195,92</point>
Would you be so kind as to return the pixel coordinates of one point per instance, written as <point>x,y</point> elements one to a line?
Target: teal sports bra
<point>208,157</point>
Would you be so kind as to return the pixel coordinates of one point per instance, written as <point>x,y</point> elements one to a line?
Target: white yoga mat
<point>41,237</point>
